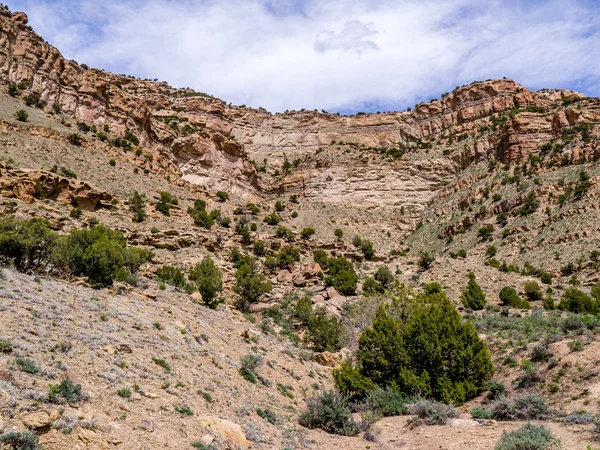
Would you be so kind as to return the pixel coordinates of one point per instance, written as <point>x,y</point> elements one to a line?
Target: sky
<point>338,55</point>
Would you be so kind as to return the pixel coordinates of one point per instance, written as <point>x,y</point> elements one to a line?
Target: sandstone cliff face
<point>215,144</point>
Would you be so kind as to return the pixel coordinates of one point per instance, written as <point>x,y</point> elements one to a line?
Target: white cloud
<point>354,37</point>
<point>341,54</point>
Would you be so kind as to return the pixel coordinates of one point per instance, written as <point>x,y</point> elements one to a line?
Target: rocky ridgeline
<point>213,143</point>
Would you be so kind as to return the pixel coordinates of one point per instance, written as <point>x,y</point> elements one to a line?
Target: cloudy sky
<point>338,55</point>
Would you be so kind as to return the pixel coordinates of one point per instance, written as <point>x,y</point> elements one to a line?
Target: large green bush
<point>200,216</point>
<point>28,244</point>
<point>324,333</point>
<point>419,344</point>
<point>577,301</point>
<point>171,275</point>
<point>509,297</point>
<point>206,277</point>
<point>250,284</point>
<point>101,254</point>
<point>472,296</point>
<point>342,276</point>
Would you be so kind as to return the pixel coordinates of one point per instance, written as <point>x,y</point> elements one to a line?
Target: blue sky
<point>339,55</point>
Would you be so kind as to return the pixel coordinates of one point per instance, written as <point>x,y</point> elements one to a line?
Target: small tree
<point>206,276</point>
<point>223,196</point>
<point>357,241</point>
<point>338,233</point>
<point>509,297</point>
<point>137,204</point>
<point>425,260</point>
<point>306,233</point>
<point>250,284</point>
<point>367,249</point>
<point>473,297</point>
<point>22,115</point>
<point>384,276</point>
<point>533,291</point>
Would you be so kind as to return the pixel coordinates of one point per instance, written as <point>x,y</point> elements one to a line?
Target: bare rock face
<point>20,18</point>
<point>26,185</point>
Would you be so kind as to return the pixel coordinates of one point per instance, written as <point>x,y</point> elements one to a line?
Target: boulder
<point>327,359</point>
<point>226,428</point>
<point>284,276</point>
<point>36,420</point>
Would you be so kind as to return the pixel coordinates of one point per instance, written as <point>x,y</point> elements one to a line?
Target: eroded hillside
<point>492,179</point>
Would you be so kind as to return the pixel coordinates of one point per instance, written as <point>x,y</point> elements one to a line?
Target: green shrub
<point>432,412</point>
<point>388,402</point>
<point>100,254</point>
<point>540,353</point>
<point>330,413</point>
<point>324,333</point>
<point>279,206</point>
<point>112,162</point>
<point>223,196</point>
<point>200,216</point>
<point>528,437</point>
<point>530,204</point>
<point>171,275</point>
<point>338,233</point>
<point>372,287</point>
<point>284,232</point>
<point>480,412</point>
<point>486,232</point>
<point>27,365</point>
<point>66,172</point>
<point>250,284</point>
<point>21,440</point>
<point>65,392</point>
<point>472,296</point>
<point>207,279</point>
<point>6,345</point>
<point>425,260</point>
<point>491,251</point>
<point>532,290</point>
<point>384,276</point>
<point>420,343</point>
<point>577,301</point>
<point>342,275</point>
<point>293,198</point>
<point>495,389</point>
<point>22,115</point>
<point>576,346</point>
<point>367,249</point>
<point>321,258</point>
<point>29,244</point>
<point>357,241</point>
<point>306,233</point>
<point>509,297</point>
<point>162,363</point>
<point>304,309</point>
<point>546,278</point>
<point>74,139</point>
<point>125,392</point>
<point>137,204</point>
<point>259,248</point>
<point>272,219</point>
<point>267,414</point>
<point>76,213</point>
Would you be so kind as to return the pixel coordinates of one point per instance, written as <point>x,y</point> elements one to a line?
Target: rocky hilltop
<point>492,182</point>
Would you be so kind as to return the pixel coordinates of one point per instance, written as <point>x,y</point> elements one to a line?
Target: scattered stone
<point>124,348</point>
<point>148,425</point>
<point>327,359</point>
<point>108,349</point>
<point>150,294</point>
<point>284,276</point>
<point>36,420</point>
